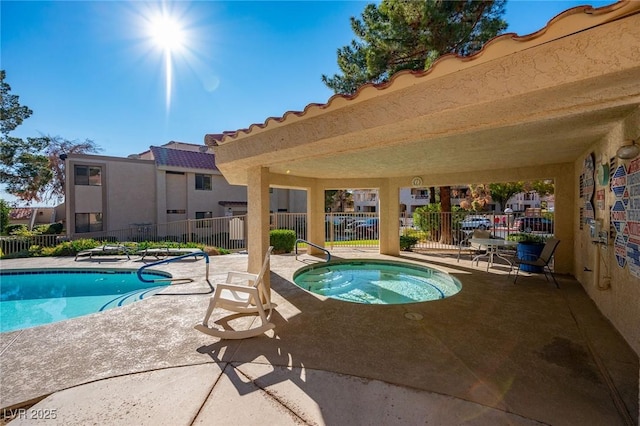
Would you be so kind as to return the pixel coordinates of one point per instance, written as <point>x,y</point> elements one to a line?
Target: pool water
<point>377,282</point>
<point>37,297</point>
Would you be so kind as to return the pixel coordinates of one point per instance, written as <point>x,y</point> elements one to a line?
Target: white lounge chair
<point>241,298</point>
<point>107,249</point>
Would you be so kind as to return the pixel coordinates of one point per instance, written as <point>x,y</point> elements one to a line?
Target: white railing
<point>435,231</point>
<point>16,244</point>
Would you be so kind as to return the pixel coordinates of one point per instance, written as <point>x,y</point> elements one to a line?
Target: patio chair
<point>473,249</point>
<point>171,251</point>
<point>542,261</point>
<point>104,250</point>
<point>242,298</point>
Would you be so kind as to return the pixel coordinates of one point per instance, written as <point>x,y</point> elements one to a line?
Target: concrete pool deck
<point>495,353</point>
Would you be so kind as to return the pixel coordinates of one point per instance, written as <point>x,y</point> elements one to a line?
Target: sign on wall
<point>625,215</point>
<point>631,200</point>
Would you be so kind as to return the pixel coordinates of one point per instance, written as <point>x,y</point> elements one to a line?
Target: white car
<point>475,222</point>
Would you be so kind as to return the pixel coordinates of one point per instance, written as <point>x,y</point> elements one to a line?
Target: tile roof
<point>181,158</point>
<point>21,213</point>
<point>553,30</point>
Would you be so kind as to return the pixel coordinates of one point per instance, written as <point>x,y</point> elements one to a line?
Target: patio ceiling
<point>521,102</point>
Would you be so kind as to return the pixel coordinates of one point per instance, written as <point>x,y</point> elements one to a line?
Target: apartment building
<point>173,182</point>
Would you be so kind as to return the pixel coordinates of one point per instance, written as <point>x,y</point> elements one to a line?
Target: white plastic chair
<point>245,297</point>
<point>473,249</point>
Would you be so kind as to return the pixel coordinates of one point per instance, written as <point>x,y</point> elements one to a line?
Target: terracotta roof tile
<point>21,213</point>
<point>185,159</point>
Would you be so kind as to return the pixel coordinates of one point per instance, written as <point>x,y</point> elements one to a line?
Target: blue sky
<point>90,70</point>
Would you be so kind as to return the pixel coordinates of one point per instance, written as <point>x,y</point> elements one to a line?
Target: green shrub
<point>527,238</point>
<point>63,249</point>
<point>16,229</point>
<point>407,241</point>
<point>55,228</point>
<point>17,255</point>
<point>83,244</point>
<point>415,233</point>
<point>282,240</point>
<point>426,217</point>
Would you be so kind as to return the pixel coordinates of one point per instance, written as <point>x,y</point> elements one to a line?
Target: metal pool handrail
<point>173,259</point>
<point>300,240</point>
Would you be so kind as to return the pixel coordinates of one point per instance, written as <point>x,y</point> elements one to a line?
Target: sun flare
<point>166,32</point>
<point>170,38</point>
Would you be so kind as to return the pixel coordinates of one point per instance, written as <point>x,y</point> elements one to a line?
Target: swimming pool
<point>377,281</point>
<point>29,298</point>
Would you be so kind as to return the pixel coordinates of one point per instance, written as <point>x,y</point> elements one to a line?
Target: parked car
<point>530,224</point>
<point>363,229</point>
<point>475,222</point>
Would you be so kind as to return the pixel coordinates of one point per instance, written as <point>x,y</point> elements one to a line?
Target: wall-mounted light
<point>629,150</point>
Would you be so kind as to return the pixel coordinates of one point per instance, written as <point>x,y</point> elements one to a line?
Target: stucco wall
<point>176,193</point>
<point>125,196</point>
<point>130,194</point>
<point>181,194</point>
<point>614,290</point>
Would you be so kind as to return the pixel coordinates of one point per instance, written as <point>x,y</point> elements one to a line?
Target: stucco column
<point>258,220</point>
<point>565,217</point>
<point>315,217</point>
<point>389,218</point>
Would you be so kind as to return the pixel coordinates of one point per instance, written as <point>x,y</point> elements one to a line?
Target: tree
<point>12,114</point>
<point>478,197</point>
<point>542,187</point>
<point>5,209</point>
<point>410,35</point>
<point>32,169</point>
<point>337,200</point>
<point>501,192</point>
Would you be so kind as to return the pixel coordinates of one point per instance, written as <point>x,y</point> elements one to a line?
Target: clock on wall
<point>416,181</point>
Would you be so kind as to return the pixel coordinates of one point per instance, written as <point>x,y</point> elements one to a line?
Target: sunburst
<point>167,33</point>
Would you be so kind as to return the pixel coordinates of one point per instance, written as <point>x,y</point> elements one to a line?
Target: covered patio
<point>524,108</point>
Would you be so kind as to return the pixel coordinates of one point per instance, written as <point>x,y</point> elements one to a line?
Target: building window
<point>203,182</point>
<point>180,211</point>
<point>204,223</point>
<point>88,222</point>
<point>88,175</point>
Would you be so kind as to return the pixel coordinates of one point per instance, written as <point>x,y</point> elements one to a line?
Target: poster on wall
<point>631,201</point>
<point>600,199</point>
<point>620,248</point>
<point>618,184</point>
<point>619,216</point>
<point>619,180</point>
